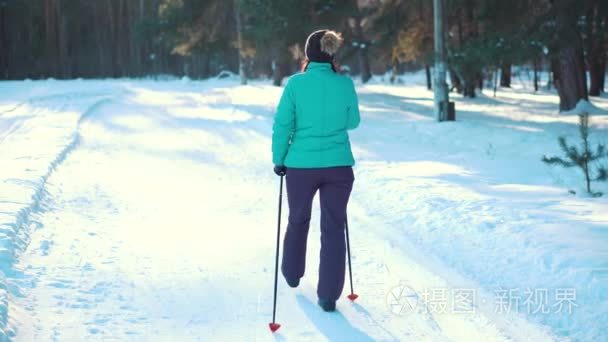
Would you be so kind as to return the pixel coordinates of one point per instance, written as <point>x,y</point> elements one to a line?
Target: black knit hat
<point>322,45</point>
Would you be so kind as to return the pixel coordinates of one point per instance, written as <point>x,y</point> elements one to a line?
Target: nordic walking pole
<point>352,296</point>
<point>274,326</point>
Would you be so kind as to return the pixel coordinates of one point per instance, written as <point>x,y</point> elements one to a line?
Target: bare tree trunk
<point>455,81</point>
<point>121,37</point>
<point>50,24</point>
<point>133,55</point>
<point>112,38</point>
<point>427,70</point>
<point>4,49</point>
<point>276,73</point>
<point>100,42</point>
<point>597,62</point>
<point>205,65</point>
<point>364,63</point>
<point>118,39</point>
<point>362,51</point>
<point>470,73</point>
<point>553,68</point>
<point>278,65</point>
<point>470,82</point>
<point>469,88</point>
<point>536,67</point>
<point>602,85</point>
<point>603,27</point>
<point>14,70</point>
<point>64,60</point>
<point>495,80</point>
<point>239,38</point>
<point>570,78</point>
<point>596,53</point>
<point>505,75</point>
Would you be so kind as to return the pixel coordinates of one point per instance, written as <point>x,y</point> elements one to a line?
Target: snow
<point>146,210</point>
<point>38,128</point>
<point>584,106</point>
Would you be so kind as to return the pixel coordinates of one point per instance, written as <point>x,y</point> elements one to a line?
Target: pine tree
<point>406,32</point>
<point>583,157</point>
<point>273,26</point>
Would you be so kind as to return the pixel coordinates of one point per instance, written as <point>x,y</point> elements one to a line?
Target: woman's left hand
<point>280,170</point>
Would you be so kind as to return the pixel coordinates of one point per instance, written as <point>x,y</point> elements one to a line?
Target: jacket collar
<point>319,66</point>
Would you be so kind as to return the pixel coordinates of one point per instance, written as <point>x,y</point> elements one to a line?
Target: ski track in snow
<point>160,225</point>
<point>27,168</point>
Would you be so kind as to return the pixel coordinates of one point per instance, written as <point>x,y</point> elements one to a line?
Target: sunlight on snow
<point>209,113</point>
<point>152,97</point>
<point>423,169</point>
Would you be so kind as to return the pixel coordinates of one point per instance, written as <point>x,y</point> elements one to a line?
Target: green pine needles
<point>582,157</point>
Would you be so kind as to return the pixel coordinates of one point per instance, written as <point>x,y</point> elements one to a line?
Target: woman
<point>310,146</point>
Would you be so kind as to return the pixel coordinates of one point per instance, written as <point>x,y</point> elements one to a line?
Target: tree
<point>465,60</point>
<point>568,63</point>
<point>274,25</point>
<point>596,37</point>
<point>357,20</point>
<point>240,43</point>
<point>115,38</point>
<point>490,35</point>
<point>3,41</point>
<point>410,29</point>
<point>362,45</point>
<point>582,158</point>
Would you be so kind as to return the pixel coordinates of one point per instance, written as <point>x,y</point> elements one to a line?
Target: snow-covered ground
<point>142,210</point>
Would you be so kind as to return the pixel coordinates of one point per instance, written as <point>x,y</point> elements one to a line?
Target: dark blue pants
<point>334,185</point>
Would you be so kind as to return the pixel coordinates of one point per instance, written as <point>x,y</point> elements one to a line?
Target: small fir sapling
<point>582,157</point>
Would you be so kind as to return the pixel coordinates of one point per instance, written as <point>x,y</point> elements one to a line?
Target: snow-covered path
<point>160,225</point>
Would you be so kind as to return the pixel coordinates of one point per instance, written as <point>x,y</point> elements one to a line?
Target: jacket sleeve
<point>284,126</point>
<point>354,117</point>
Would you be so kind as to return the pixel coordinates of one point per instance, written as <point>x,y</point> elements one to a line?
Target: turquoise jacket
<point>310,126</point>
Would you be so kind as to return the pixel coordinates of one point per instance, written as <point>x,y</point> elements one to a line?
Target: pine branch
<point>602,174</point>
<point>558,161</point>
<point>601,151</point>
<point>570,151</point>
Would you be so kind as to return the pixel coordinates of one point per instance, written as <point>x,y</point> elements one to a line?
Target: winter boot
<point>293,282</point>
<point>327,305</point>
